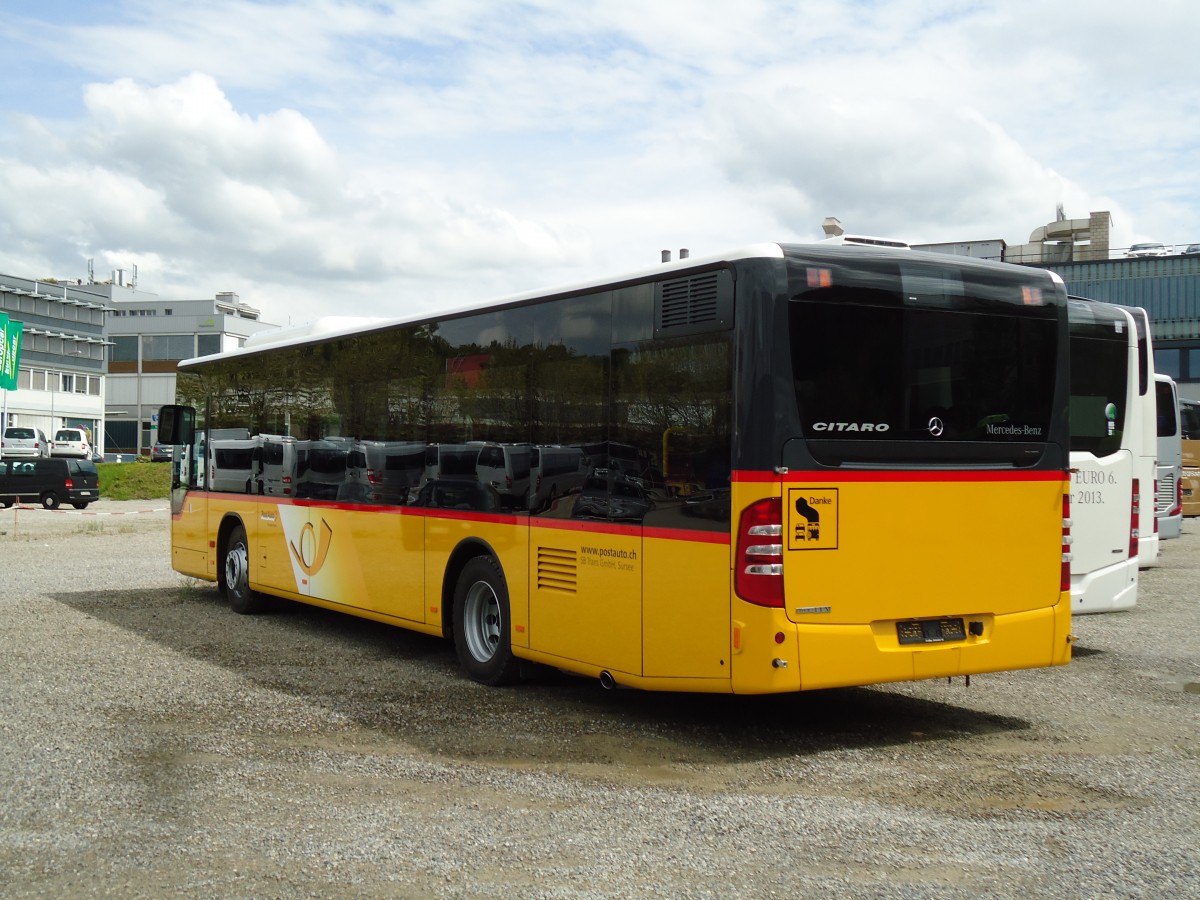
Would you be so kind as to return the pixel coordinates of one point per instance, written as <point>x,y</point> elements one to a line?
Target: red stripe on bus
<point>592,526</point>
<point>671,534</point>
<point>878,475</point>
<point>682,534</point>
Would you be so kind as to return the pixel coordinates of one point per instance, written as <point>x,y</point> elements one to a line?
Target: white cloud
<point>319,156</point>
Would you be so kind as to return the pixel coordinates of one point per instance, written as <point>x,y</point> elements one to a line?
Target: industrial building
<point>103,355</point>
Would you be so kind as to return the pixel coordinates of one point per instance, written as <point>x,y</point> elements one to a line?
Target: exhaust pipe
<point>607,681</point>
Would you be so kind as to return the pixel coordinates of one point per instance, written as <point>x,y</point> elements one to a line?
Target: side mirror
<point>177,425</point>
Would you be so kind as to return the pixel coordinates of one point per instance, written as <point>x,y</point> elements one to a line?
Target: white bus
<point>1146,413</point>
<point>1105,444</point>
<point>1168,497</point>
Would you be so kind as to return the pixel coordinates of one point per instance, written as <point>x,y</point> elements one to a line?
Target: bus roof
<point>328,327</point>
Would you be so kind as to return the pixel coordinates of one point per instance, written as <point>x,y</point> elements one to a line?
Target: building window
<point>1190,365</point>
<point>207,344</point>
<point>1167,362</point>
<point>1181,363</point>
<point>162,352</point>
<point>168,346</point>
<point>123,355</point>
<point>124,348</point>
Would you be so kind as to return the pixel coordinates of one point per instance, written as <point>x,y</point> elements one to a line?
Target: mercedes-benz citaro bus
<point>1106,440</point>
<point>872,445</point>
<point>1145,414</point>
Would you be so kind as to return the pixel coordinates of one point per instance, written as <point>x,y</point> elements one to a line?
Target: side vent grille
<point>557,570</point>
<point>698,303</point>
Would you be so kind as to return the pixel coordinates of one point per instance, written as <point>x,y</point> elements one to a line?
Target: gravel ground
<point>153,744</point>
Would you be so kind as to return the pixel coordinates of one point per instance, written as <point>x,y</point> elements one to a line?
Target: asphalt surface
<point>153,743</point>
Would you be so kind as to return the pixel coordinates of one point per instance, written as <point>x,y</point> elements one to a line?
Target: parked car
<point>1192,250</point>
<point>71,442</point>
<point>49,482</point>
<point>1150,248</point>
<point>161,452</point>
<point>24,442</point>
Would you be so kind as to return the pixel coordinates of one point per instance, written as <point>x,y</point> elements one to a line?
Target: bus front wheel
<point>482,628</point>
<point>236,579</point>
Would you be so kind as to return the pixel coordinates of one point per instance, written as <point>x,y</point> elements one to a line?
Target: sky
<point>398,157</point>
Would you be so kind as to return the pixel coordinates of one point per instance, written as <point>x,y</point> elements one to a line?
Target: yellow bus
<point>867,482</point>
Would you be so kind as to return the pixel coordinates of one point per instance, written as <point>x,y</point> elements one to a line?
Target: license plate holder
<point>931,631</point>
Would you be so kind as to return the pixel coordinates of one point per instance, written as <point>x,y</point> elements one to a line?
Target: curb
<point>84,512</point>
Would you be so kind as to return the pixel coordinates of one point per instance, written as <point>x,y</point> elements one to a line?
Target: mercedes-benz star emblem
<point>936,427</point>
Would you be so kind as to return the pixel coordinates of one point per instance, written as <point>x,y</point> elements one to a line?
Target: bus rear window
<point>896,365</point>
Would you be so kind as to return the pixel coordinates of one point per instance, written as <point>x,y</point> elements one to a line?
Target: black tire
<point>50,500</point>
<point>83,505</point>
<point>235,575</point>
<point>482,625</point>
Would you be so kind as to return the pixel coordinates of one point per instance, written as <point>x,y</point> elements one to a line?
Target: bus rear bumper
<point>1105,590</point>
<point>848,655</point>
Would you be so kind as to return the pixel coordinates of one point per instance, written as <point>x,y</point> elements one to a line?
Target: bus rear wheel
<point>236,578</point>
<point>482,627</point>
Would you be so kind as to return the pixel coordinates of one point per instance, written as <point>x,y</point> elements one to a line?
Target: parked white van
<point>71,442</point>
<point>277,460</point>
<point>24,442</point>
<point>385,471</point>
<point>555,472</point>
<point>232,466</point>
<point>506,467</point>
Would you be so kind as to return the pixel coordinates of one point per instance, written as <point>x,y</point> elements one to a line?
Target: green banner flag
<point>10,353</point>
<point>3,350</point>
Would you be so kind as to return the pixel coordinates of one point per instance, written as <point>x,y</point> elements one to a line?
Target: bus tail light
<point>758,576</point>
<point>1178,507</point>
<point>1064,581</point>
<point>1135,519</point>
<point>1156,514</point>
